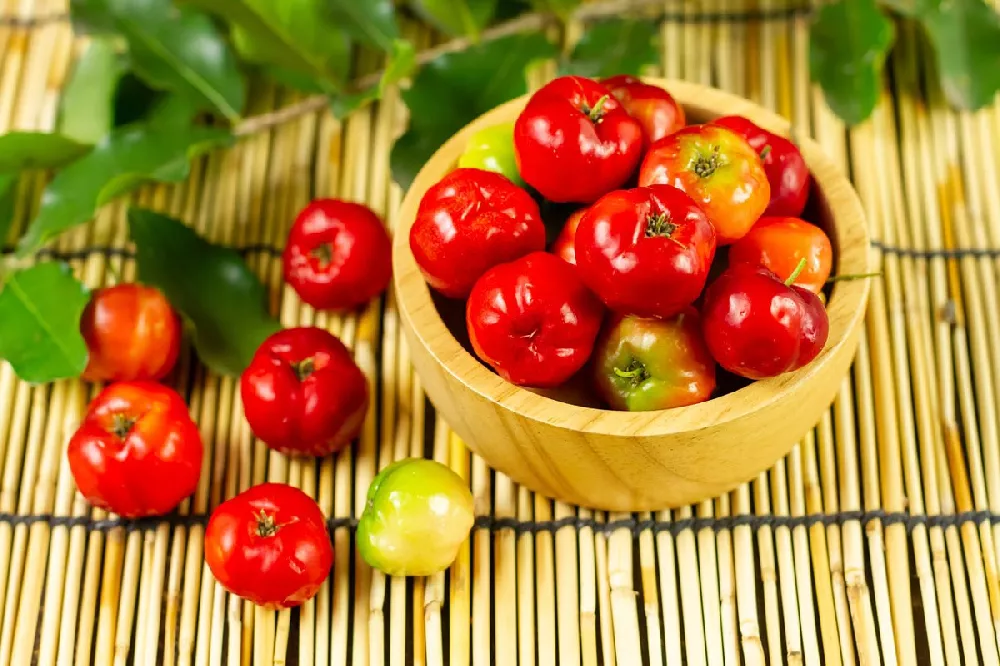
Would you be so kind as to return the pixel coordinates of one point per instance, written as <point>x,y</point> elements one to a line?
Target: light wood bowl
<point>622,461</point>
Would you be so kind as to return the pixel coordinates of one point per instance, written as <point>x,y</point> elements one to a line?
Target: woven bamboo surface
<point>875,541</point>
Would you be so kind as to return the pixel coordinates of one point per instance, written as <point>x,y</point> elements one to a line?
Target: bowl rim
<point>846,306</point>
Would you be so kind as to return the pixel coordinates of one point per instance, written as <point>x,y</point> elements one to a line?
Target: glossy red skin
<point>359,262</point>
<point>147,470</point>
<point>780,244</point>
<point>674,366</point>
<point>563,153</point>
<point>757,327</point>
<point>565,245</point>
<point>533,321</point>
<point>734,190</point>
<point>275,571</point>
<point>314,416</point>
<point>470,221</point>
<point>132,333</point>
<point>655,109</point>
<point>787,172</point>
<point>638,274</point>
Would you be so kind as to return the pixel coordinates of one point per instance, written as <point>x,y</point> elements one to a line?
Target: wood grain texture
<point>636,461</point>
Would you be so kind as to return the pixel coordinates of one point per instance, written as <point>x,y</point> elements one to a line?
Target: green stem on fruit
<point>660,225</point>
<point>795,274</point>
<point>765,152</point>
<point>122,424</point>
<point>304,368</point>
<point>596,112</point>
<point>853,276</point>
<point>705,165</point>
<point>634,371</point>
<point>323,253</point>
<point>266,525</point>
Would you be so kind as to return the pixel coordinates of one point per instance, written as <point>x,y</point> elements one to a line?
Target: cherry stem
<point>795,274</point>
<point>266,526</point>
<point>122,424</point>
<point>853,276</point>
<point>324,253</point>
<point>660,225</point>
<point>635,371</point>
<point>765,152</point>
<point>304,368</point>
<point>596,112</point>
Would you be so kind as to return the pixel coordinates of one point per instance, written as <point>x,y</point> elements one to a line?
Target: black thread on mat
<point>954,253</point>
<point>25,22</point>
<point>274,251</point>
<point>635,526</point>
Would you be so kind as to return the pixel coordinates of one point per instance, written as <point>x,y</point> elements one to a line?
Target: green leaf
<point>296,35</point>
<point>37,150</point>
<point>616,46</point>
<point>456,88</point>
<point>180,50</point>
<point>456,17</point>
<point>86,107</point>
<point>91,17</point>
<point>561,8</point>
<point>222,301</point>
<point>848,41</point>
<point>40,308</point>
<point>127,158</point>
<point>966,39</point>
<point>8,190</point>
<point>371,21</point>
<point>402,63</point>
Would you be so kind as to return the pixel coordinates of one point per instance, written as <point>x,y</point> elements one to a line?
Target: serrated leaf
<point>452,90</point>
<point>127,158</point>
<point>40,308</point>
<point>87,103</point>
<point>37,150</point>
<point>456,17</point>
<point>371,21</point>
<point>295,35</point>
<point>402,62</point>
<point>849,40</point>
<point>965,35</point>
<point>615,46</point>
<point>179,50</point>
<point>210,285</point>
<point>561,8</point>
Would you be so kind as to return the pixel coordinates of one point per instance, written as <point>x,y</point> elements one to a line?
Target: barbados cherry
<point>758,326</point>
<point>655,109</point>
<point>780,243</point>
<point>649,364</point>
<point>565,244</point>
<point>786,170</point>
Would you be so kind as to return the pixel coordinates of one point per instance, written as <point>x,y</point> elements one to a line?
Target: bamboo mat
<point>875,541</point>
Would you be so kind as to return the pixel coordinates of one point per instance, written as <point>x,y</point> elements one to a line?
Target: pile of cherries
<point>680,248</point>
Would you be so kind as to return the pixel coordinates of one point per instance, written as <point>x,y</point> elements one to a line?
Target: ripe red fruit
<point>655,109</point>
<point>718,169</point>
<point>303,394</point>
<point>132,333</point>
<point>269,545</point>
<point>533,321</point>
<point>650,364</point>
<point>784,165</point>
<point>781,243</point>
<point>645,251</point>
<point>468,222</point>
<point>756,326</point>
<point>137,452</point>
<point>575,142</point>
<point>338,255</point>
<point>565,244</point>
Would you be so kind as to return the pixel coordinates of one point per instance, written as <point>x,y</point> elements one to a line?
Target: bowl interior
<point>832,205</point>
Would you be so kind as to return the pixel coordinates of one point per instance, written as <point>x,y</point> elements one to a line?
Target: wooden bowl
<point>558,444</point>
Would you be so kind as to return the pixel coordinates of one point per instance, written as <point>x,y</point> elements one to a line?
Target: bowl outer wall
<point>642,461</point>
